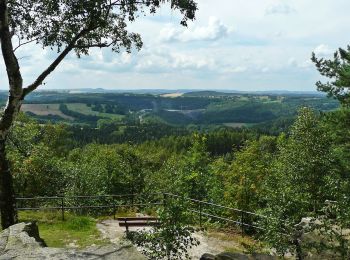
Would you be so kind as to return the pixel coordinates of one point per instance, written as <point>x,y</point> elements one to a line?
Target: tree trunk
<point>7,197</point>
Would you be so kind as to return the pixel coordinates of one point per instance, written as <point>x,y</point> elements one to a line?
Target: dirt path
<point>110,230</point>
<point>210,245</point>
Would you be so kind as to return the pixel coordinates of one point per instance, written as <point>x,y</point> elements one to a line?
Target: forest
<point>284,160</point>
<point>275,165</point>
<point>201,109</point>
<point>285,176</point>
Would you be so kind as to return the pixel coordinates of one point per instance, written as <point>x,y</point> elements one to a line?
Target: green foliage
<point>186,110</point>
<point>303,178</point>
<point>81,223</point>
<point>337,70</point>
<point>172,238</point>
<point>78,116</point>
<point>98,23</point>
<point>244,180</point>
<point>287,178</point>
<point>78,230</point>
<point>35,153</point>
<point>101,169</point>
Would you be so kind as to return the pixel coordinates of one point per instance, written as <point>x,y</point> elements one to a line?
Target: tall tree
<point>303,177</point>
<point>67,26</point>
<point>248,171</point>
<point>338,70</point>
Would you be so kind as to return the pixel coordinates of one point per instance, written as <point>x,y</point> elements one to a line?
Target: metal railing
<point>240,217</point>
<point>204,210</point>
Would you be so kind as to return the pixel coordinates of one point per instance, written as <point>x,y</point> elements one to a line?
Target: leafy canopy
<point>338,70</point>
<point>85,24</point>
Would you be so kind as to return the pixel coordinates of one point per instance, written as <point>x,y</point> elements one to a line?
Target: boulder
<point>22,242</point>
<point>236,256</point>
<point>208,257</point>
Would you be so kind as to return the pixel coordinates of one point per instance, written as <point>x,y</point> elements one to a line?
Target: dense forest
<point>200,109</point>
<point>286,176</point>
<point>279,160</point>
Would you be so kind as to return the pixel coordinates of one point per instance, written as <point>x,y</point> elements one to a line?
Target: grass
<point>84,109</point>
<point>45,110</point>
<point>235,125</point>
<point>241,244</point>
<point>75,231</point>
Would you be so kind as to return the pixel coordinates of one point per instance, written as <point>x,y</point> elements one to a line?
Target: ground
<point>82,232</point>
<point>210,242</point>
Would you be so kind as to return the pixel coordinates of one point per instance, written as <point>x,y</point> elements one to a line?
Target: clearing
<point>86,110</point>
<point>235,125</point>
<point>172,95</point>
<point>45,110</point>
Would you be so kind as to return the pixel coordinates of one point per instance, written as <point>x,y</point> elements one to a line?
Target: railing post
<point>62,207</point>
<point>132,200</point>
<point>200,214</point>
<point>114,210</point>
<point>164,199</point>
<point>242,226</point>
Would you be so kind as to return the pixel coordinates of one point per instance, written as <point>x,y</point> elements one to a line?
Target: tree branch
<point>24,43</point>
<point>54,64</point>
<point>95,45</point>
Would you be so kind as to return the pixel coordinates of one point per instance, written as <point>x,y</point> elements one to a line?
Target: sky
<point>248,45</point>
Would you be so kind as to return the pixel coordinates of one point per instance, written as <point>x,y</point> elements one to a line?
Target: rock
<point>208,257</point>
<point>263,257</point>
<point>237,256</point>
<point>22,242</point>
<point>318,238</point>
<point>231,256</point>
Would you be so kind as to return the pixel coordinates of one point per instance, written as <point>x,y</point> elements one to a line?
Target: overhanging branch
<point>54,64</point>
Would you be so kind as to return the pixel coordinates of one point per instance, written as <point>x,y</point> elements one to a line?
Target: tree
<point>303,177</point>
<point>35,153</point>
<point>248,171</point>
<point>195,175</point>
<point>338,70</point>
<point>172,238</point>
<point>66,26</point>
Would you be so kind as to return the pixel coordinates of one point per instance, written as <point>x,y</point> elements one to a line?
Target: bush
<point>172,238</point>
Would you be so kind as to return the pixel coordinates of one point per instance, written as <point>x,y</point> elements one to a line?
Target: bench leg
<point>126,227</point>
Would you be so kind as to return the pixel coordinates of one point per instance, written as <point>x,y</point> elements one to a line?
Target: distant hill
<point>212,93</point>
<point>208,93</point>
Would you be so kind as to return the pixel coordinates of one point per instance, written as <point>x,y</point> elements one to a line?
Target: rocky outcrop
<point>237,256</point>
<point>22,242</point>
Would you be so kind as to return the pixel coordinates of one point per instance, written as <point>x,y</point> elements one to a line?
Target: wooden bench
<point>137,222</point>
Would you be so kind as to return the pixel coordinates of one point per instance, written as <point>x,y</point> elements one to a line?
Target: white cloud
<point>265,69</point>
<point>264,40</point>
<point>306,64</point>
<point>292,62</point>
<point>234,69</point>
<point>184,61</point>
<point>164,61</point>
<point>323,50</point>
<point>213,31</point>
<point>279,8</point>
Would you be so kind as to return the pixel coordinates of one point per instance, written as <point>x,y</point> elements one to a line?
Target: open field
<point>53,109</point>
<point>45,110</point>
<point>84,109</point>
<point>236,125</point>
<point>172,95</point>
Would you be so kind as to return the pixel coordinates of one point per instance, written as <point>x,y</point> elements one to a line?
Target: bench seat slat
<point>136,218</point>
<point>138,224</point>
